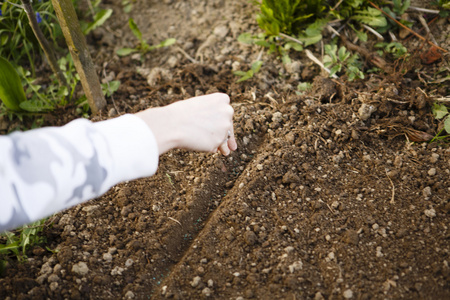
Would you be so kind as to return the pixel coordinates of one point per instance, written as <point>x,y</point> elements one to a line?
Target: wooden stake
<point>80,54</point>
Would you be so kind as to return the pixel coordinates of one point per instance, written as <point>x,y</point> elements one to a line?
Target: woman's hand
<point>203,123</point>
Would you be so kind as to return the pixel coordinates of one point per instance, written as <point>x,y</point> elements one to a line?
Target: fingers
<point>229,144</point>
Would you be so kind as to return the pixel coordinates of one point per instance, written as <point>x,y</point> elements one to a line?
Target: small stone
<point>431,213</point>
<point>335,204</point>
<point>221,31</point>
<point>426,191</point>
<point>210,283</point>
<point>172,61</point>
<point>195,281</point>
<point>112,112</point>
<point>250,238</point>
<point>348,294</point>
<point>434,158</point>
<point>107,257</point>
<point>289,249</point>
<point>129,263</point>
<point>53,286</point>
<point>129,295</point>
<point>117,271</point>
<point>259,167</point>
<point>432,172</point>
<point>375,226</point>
<point>319,296</point>
<point>80,268</point>
<point>206,291</point>
<point>46,269</point>
<point>365,111</point>
<point>298,265</point>
<point>53,278</point>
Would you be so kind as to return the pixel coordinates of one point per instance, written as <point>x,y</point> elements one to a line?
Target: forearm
<point>46,170</point>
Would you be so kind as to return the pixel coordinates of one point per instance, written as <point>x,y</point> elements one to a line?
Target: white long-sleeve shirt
<point>46,170</point>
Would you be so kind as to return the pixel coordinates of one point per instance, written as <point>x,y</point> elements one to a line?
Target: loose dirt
<point>332,194</point>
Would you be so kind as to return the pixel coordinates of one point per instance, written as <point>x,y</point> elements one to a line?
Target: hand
<point>202,123</point>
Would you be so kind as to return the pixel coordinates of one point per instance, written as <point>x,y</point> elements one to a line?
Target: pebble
<point>46,269</point>
<point>206,291</point>
<point>80,268</point>
<point>259,167</point>
<point>53,278</point>
<point>195,281</point>
<point>117,271</point>
<point>129,263</point>
<point>432,172</point>
<point>298,265</point>
<point>53,286</point>
<point>348,294</point>
<point>112,112</point>
<point>365,111</point>
<point>129,295</point>
<point>221,31</point>
<point>434,158</point>
<point>431,213</point>
<point>210,283</point>
<point>426,191</point>
<point>335,204</point>
<point>107,257</point>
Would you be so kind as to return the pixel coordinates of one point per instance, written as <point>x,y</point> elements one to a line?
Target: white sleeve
<point>46,170</point>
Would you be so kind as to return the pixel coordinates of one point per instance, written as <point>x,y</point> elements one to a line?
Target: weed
<point>288,16</point>
<point>303,87</point>
<point>143,46</point>
<point>256,66</point>
<point>18,43</point>
<point>17,242</point>
<point>396,49</point>
<point>337,60</point>
<point>441,112</point>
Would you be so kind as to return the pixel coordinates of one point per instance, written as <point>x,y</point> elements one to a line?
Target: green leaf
<point>167,43</point>
<point>35,106</point>
<point>125,51</point>
<point>11,90</point>
<point>293,45</point>
<point>245,38</point>
<point>256,66</point>
<point>137,33</point>
<point>4,249</point>
<point>439,111</point>
<point>371,16</point>
<point>447,125</point>
<point>310,40</point>
<point>240,73</point>
<point>99,19</point>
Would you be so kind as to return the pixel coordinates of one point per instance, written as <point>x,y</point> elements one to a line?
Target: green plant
<point>256,66</point>
<point>11,90</point>
<point>143,46</point>
<point>288,16</point>
<point>342,59</point>
<point>16,243</point>
<point>127,5</point>
<point>17,40</point>
<point>441,112</point>
<point>396,49</point>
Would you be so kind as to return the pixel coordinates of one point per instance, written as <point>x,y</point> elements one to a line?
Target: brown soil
<point>327,197</point>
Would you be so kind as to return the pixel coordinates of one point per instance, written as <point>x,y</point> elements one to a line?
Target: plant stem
<point>49,52</point>
<point>76,43</point>
<point>409,29</point>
